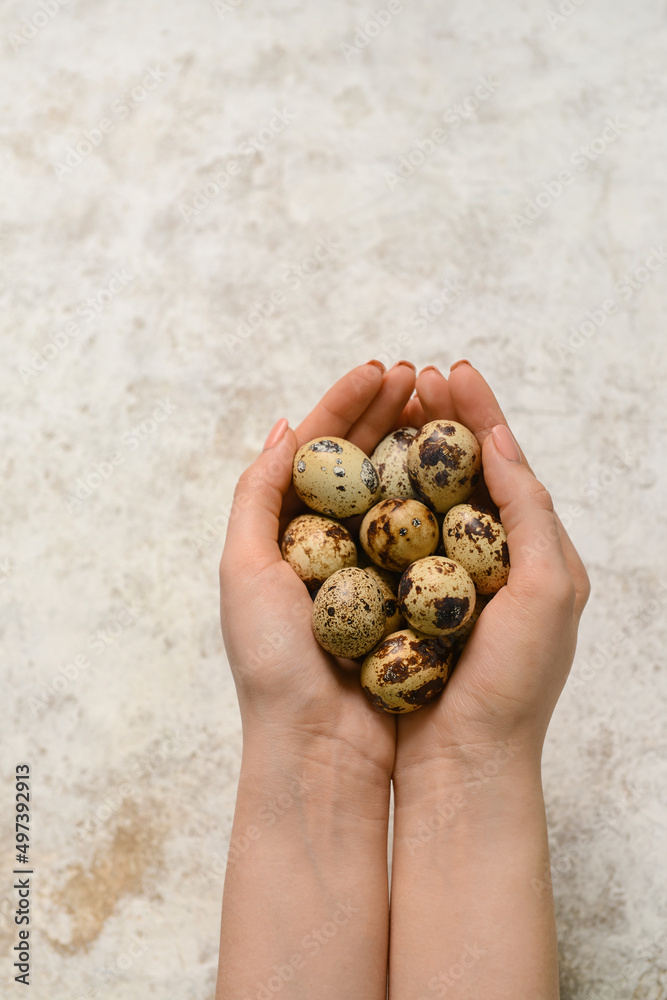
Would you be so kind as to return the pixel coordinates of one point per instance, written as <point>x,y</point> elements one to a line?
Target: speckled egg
<point>459,638</point>
<point>444,464</point>
<point>388,584</point>
<point>436,595</point>
<point>476,539</point>
<point>390,458</point>
<point>406,671</point>
<point>348,613</point>
<point>315,547</point>
<point>332,476</point>
<point>396,532</point>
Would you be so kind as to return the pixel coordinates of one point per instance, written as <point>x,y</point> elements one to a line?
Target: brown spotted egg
<point>477,540</point>
<point>349,613</point>
<point>332,476</point>
<point>390,458</point>
<point>406,671</point>
<point>444,464</point>
<point>396,532</point>
<point>436,595</point>
<point>315,547</point>
<point>459,638</point>
<point>388,584</point>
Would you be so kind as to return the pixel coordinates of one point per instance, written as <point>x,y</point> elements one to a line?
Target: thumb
<point>253,528</point>
<point>526,511</point>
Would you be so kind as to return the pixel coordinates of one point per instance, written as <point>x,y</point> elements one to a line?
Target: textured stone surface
<point>135,749</point>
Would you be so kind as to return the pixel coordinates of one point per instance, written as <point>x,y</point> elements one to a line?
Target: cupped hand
<point>286,683</point>
<point>506,684</point>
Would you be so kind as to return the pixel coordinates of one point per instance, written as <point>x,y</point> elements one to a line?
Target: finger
<point>478,408</point>
<point>252,531</point>
<point>412,415</point>
<point>339,409</point>
<point>581,579</point>
<point>377,420</point>
<point>434,395</point>
<point>474,403</point>
<point>343,404</point>
<point>538,568</point>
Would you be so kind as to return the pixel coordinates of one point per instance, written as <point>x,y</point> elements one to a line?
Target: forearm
<point>470,914</point>
<point>305,906</point>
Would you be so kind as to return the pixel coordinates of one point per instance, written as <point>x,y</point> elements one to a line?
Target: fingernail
<point>431,368</point>
<point>277,433</point>
<point>378,364</point>
<point>461,362</point>
<point>505,443</point>
<point>408,364</point>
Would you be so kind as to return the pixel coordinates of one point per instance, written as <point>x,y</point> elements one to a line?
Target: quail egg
<point>390,458</point>
<point>476,539</point>
<point>436,595</point>
<point>315,547</point>
<point>459,638</point>
<point>444,464</point>
<point>406,671</point>
<point>396,532</point>
<point>388,583</point>
<point>332,476</point>
<point>349,613</point>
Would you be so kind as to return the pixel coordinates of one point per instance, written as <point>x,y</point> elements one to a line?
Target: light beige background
<point>135,746</point>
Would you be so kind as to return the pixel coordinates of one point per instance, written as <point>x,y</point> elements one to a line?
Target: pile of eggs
<point>429,559</point>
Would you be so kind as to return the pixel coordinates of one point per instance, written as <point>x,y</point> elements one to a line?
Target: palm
<point>516,661</point>
<point>266,609</point>
<point>285,665</point>
<point>488,683</point>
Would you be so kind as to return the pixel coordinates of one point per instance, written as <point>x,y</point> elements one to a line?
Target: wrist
<point>470,815</point>
<point>488,776</point>
<point>470,854</point>
<point>312,768</point>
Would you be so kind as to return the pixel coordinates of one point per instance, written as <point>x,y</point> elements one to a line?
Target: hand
<point>507,682</point>
<point>286,683</point>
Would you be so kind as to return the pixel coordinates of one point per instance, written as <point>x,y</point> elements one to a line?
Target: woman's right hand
<point>290,690</point>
